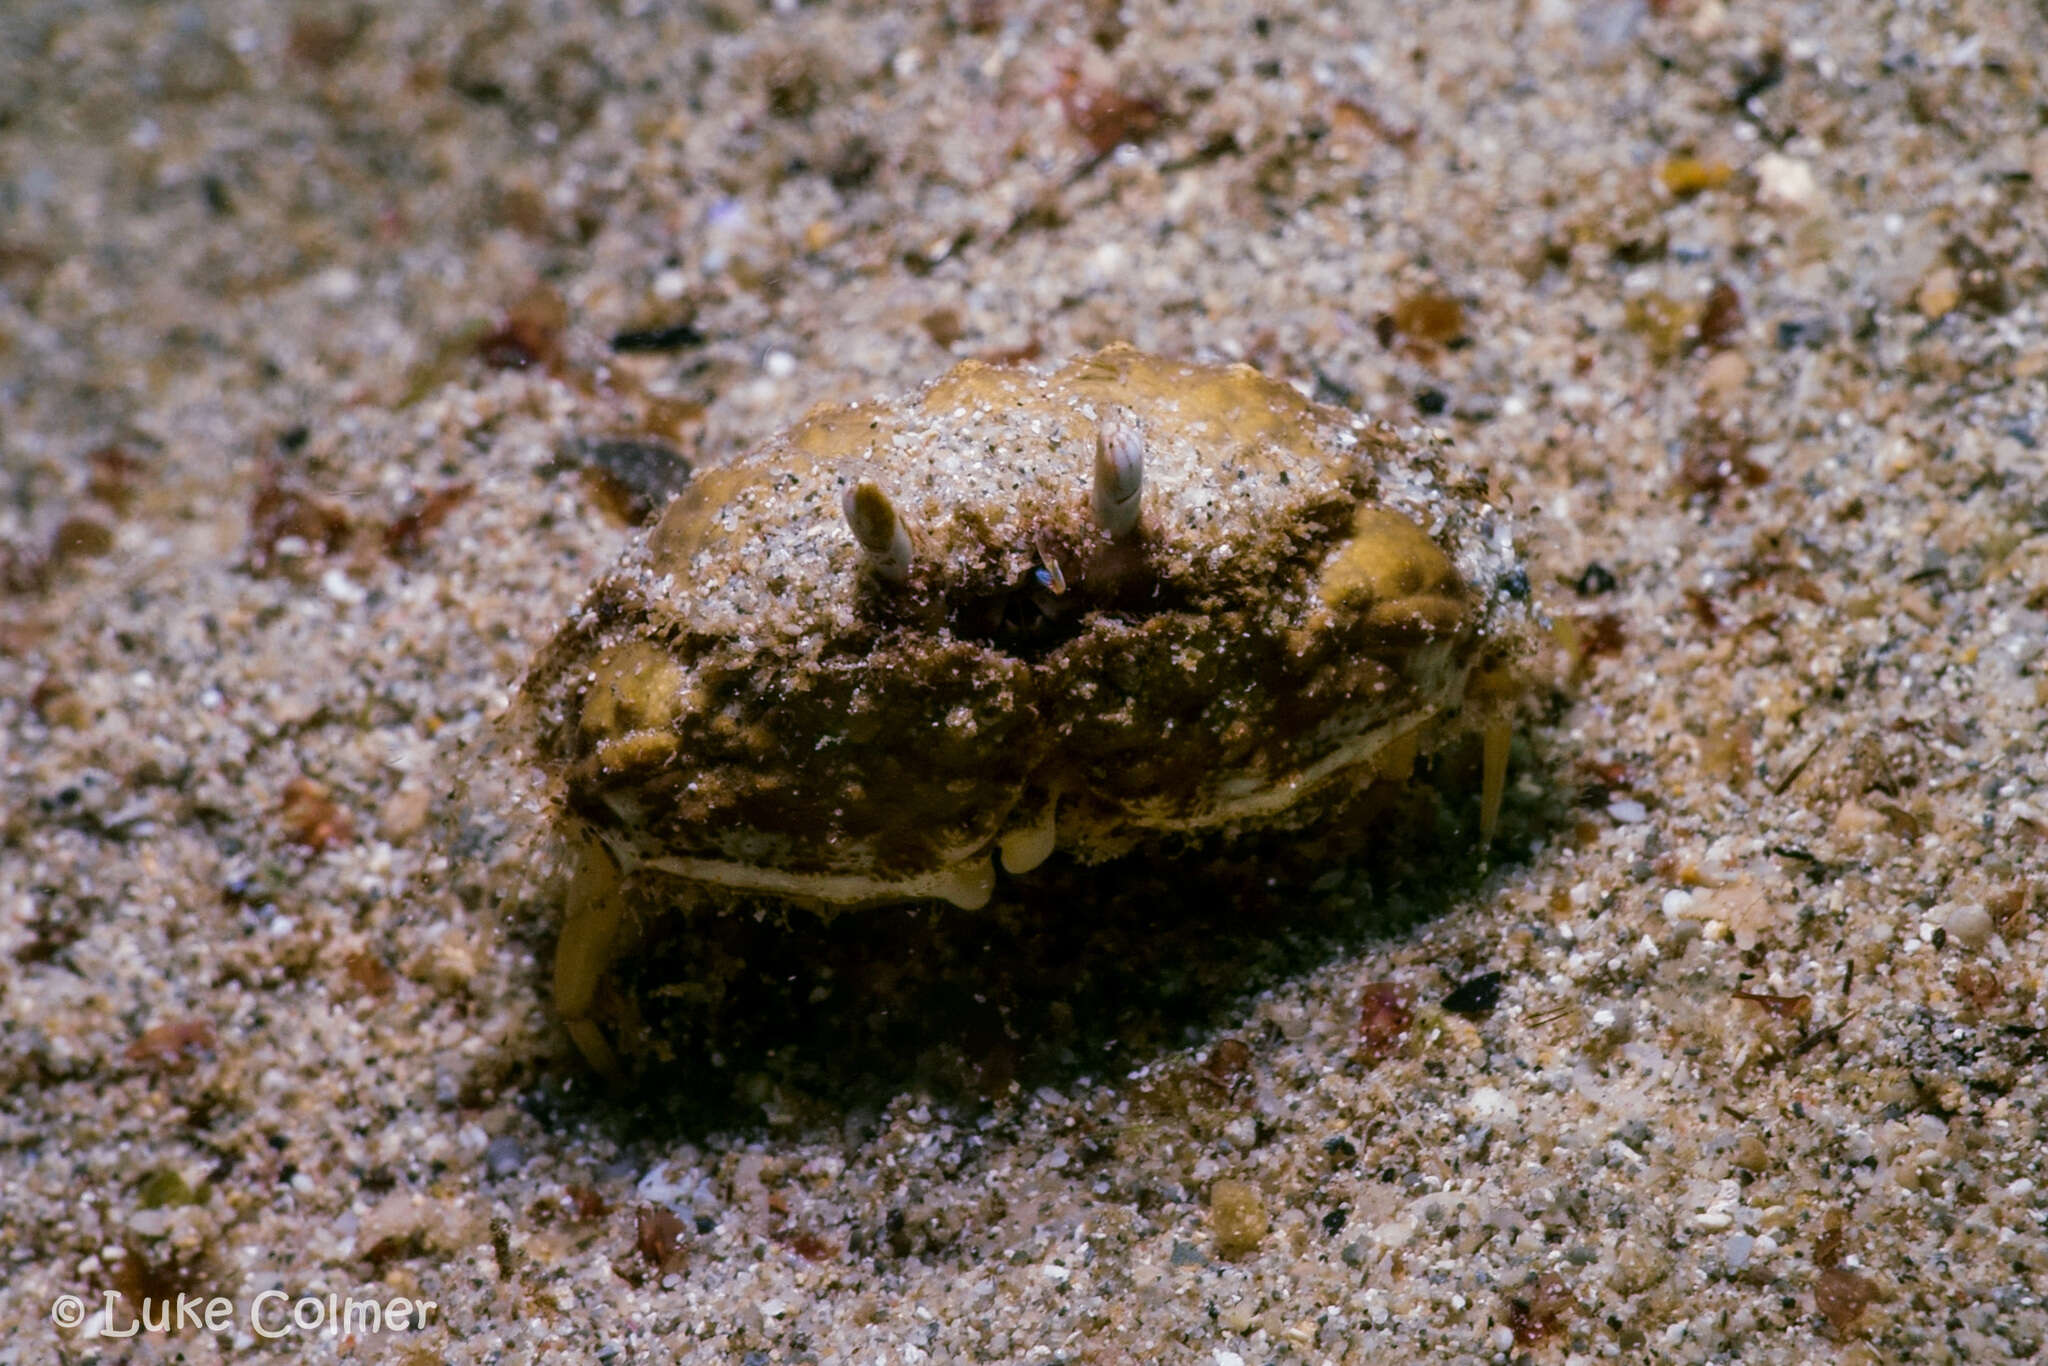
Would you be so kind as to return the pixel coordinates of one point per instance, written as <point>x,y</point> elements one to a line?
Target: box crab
<point>906,644</point>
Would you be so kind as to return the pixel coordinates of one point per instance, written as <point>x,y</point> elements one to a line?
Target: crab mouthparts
<point>964,873</point>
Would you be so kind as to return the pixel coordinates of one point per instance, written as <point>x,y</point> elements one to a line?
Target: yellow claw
<point>1024,847</point>
<point>967,884</point>
<point>590,1042</point>
<point>589,930</point>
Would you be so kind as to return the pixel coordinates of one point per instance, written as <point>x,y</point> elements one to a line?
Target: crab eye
<point>1028,618</point>
<point>1117,499</point>
<point>876,525</point>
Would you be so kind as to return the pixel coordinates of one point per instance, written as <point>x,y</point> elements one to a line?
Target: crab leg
<point>595,910</point>
<point>1495,739</point>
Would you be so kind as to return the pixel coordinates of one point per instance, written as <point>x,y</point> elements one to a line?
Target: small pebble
<point>1687,176</point>
<point>1969,925</point>
<point>1807,332</point>
<point>1938,293</point>
<point>504,1156</point>
<point>1785,182</point>
<point>1237,1214</point>
<point>82,538</point>
<point>1724,376</point>
<point>404,815</point>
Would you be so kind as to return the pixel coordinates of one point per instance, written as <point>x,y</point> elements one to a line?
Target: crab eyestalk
<point>1118,497</point>
<point>884,540</point>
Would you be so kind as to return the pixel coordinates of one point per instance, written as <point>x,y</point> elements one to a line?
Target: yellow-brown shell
<point>746,703</point>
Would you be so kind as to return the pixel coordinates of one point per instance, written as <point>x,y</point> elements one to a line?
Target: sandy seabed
<point>316,321</point>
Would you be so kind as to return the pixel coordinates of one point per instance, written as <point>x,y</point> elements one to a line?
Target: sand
<point>312,318</point>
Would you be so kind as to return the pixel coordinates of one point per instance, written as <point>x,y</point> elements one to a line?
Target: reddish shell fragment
<point>1781,1007</point>
<point>173,1047</point>
<point>1383,1020</point>
<point>311,818</point>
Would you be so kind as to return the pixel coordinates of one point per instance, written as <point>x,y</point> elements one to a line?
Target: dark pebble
<point>1475,995</point>
<point>673,337</point>
<point>634,476</point>
<point>1595,579</point>
<point>1796,332</point>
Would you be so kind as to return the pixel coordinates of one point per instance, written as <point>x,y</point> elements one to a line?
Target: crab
<point>913,649</point>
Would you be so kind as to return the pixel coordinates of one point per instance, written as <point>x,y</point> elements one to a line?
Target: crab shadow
<point>779,1020</point>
